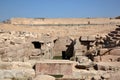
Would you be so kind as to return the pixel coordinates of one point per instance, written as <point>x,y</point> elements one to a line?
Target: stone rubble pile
<point>94,57</point>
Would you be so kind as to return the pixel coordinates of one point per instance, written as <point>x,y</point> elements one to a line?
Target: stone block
<point>36,52</point>
<point>115,76</point>
<point>97,59</point>
<point>108,66</point>
<point>2,51</point>
<point>115,52</point>
<point>35,57</point>
<point>14,65</point>
<point>110,58</point>
<point>44,77</point>
<point>106,76</point>
<point>91,38</point>
<point>84,38</point>
<point>9,74</point>
<point>54,67</point>
<point>103,51</point>
<point>87,38</point>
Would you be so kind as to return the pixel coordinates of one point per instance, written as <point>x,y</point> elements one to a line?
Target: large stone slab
<point>54,67</point>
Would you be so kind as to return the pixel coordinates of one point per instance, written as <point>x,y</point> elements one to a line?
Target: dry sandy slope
<point>73,31</point>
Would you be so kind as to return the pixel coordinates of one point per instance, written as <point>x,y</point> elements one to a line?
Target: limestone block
<point>9,74</point>
<point>108,66</point>
<point>110,58</point>
<point>97,59</point>
<point>105,76</point>
<point>35,57</point>
<point>115,76</point>
<point>91,38</point>
<point>103,51</point>
<point>36,52</point>
<point>97,77</point>
<point>44,77</point>
<point>82,59</point>
<point>14,65</point>
<point>115,52</point>
<point>19,40</point>
<point>2,51</point>
<point>2,44</point>
<point>84,38</point>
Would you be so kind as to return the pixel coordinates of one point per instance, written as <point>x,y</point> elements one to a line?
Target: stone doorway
<point>37,44</point>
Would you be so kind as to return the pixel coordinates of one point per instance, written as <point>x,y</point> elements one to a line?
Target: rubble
<point>27,55</point>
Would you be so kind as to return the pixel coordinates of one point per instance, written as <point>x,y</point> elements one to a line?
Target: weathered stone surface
<point>115,52</point>
<point>9,70</point>
<point>9,74</point>
<point>44,77</point>
<point>79,49</point>
<point>115,76</point>
<point>36,52</point>
<point>83,59</point>
<point>14,65</point>
<point>87,38</point>
<point>85,74</point>
<point>108,66</point>
<point>106,76</point>
<point>97,77</point>
<point>54,67</point>
<point>61,44</point>
<point>107,58</point>
<point>86,66</point>
<point>104,51</point>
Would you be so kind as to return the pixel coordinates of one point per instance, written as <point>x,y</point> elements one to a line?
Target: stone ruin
<point>34,56</point>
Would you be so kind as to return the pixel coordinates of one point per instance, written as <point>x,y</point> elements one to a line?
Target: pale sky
<point>58,8</point>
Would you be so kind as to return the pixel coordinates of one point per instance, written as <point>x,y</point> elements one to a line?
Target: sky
<point>58,8</point>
